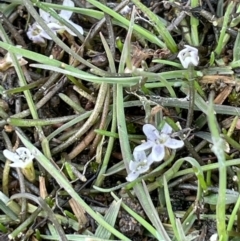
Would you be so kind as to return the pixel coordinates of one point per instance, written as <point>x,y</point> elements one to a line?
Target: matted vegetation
<point>120,120</point>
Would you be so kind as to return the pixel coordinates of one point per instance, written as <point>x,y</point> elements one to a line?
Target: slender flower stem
<point>193,152</point>
<point>6,170</point>
<point>187,144</point>
<point>191,97</point>
<point>23,212</point>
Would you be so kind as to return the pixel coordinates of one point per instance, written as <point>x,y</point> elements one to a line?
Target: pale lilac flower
<point>158,141</point>
<point>188,56</point>
<point>67,15</point>
<point>38,35</point>
<point>139,165</point>
<point>22,158</point>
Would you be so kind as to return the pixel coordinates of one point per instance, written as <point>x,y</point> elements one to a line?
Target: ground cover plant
<point>119,120</point>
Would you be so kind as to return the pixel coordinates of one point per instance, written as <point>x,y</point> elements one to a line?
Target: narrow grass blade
<point>110,217</point>
<point>218,149</point>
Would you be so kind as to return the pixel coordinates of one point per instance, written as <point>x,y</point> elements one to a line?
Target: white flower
<point>140,164</point>
<point>157,141</point>
<point>126,10</point>
<point>38,35</point>
<point>22,158</point>
<point>188,56</point>
<point>214,237</point>
<point>66,15</point>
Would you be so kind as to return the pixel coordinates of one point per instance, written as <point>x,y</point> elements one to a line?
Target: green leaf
<point>110,217</point>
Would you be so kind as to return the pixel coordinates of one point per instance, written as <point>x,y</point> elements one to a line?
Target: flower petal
<point>18,164</point>
<point>35,33</point>
<point>194,58</point>
<point>151,132</point>
<point>144,146</point>
<point>173,143</point>
<point>190,48</point>
<point>132,176</point>
<point>55,26</point>
<point>139,155</point>
<point>158,153</point>
<point>167,129</point>
<point>46,36</point>
<point>188,56</point>
<point>133,165</point>
<point>187,62</point>
<point>11,156</point>
<point>150,159</point>
<point>45,16</point>
<point>66,14</point>
<point>24,153</point>
<point>78,28</point>
<point>38,40</point>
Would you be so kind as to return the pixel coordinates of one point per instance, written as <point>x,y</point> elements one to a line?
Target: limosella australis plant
<point>166,158</point>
